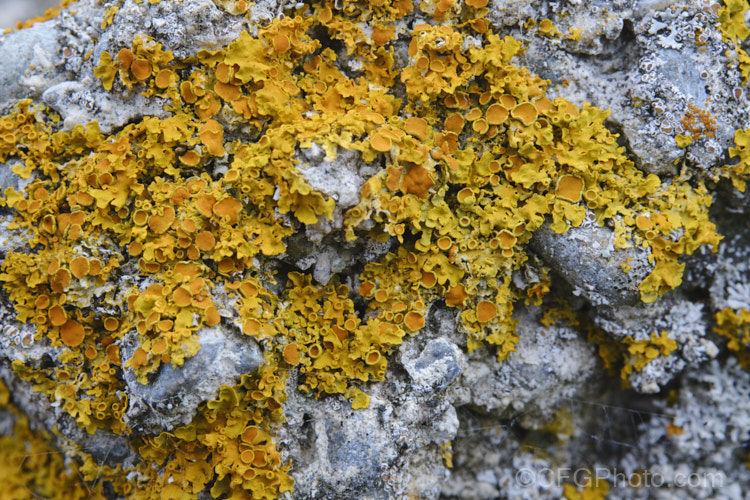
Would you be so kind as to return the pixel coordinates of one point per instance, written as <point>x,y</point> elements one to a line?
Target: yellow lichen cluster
<point>330,344</point>
<point>595,488</point>
<point>624,357</point>
<point>642,352</point>
<point>447,454</point>
<point>476,159</point>
<point>563,425</point>
<point>734,325</point>
<point>229,447</point>
<point>30,467</point>
<point>144,62</point>
<point>734,31</point>
<point>739,172</point>
<point>548,29</point>
<point>471,174</point>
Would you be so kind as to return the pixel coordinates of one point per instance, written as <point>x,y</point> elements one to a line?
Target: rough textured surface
<point>586,257</point>
<point>552,364</point>
<point>13,11</point>
<point>171,398</point>
<point>356,251</point>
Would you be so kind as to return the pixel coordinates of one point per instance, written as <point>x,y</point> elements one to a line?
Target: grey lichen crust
<point>550,403</point>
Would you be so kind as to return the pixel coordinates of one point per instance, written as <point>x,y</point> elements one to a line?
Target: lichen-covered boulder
<point>374,249</point>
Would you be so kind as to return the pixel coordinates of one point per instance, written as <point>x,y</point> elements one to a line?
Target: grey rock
<point>437,365</point>
<point>37,46</point>
<point>172,397</point>
<point>347,171</point>
<point>586,258</point>
<point>7,422</point>
<point>10,239</point>
<point>713,423</point>
<point>321,247</point>
<point>374,453</point>
<point>731,276</point>
<point>78,104</point>
<point>551,364</point>
<point>325,252</point>
<point>14,12</point>
<point>105,447</point>
<point>544,408</point>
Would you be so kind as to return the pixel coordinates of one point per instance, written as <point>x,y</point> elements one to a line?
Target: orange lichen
<point>281,43</point>
<point>57,316</point>
<point>72,333</point>
<point>212,316</point>
<point>428,279</point>
<point>382,36</point>
<point>160,223</point>
<point>569,187</point>
<point>454,123</point>
<point>212,135</point>
<point>414,321</point>
<point>139,358</point>
<point>526,112</point>
<point>507,239</point>
<point>164,78</point>
<point>417,127</point>
<point>417,181</point>
<point>205,241</point>
<point>456,296</point>
<point>291,354</point>
<point>229,208</point>
<point>475,159</point>
<point>496,114</point>
<point>380,142</point>
<point>643,223</point>
<point>111,324</point>
<point>125,58</point>
<point>486,311</point>
<point>698,123</point>
<point>141,69</point>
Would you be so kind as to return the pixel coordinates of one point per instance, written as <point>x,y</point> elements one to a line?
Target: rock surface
<point>287,250</point>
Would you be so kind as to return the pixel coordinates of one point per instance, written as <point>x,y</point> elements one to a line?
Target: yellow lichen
<point>740,171</point>
<point>732,20</point>
<point>548,29</point>
<point>475,158</point>
<point>644,351</point>
<point>595,488</point>
<point>30,467</point>
<point>734,325</point>
<point>72,333</point>
<point>734,31</point>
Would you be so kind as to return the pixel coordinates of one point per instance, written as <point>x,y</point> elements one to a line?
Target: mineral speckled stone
<point>455,249</point>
